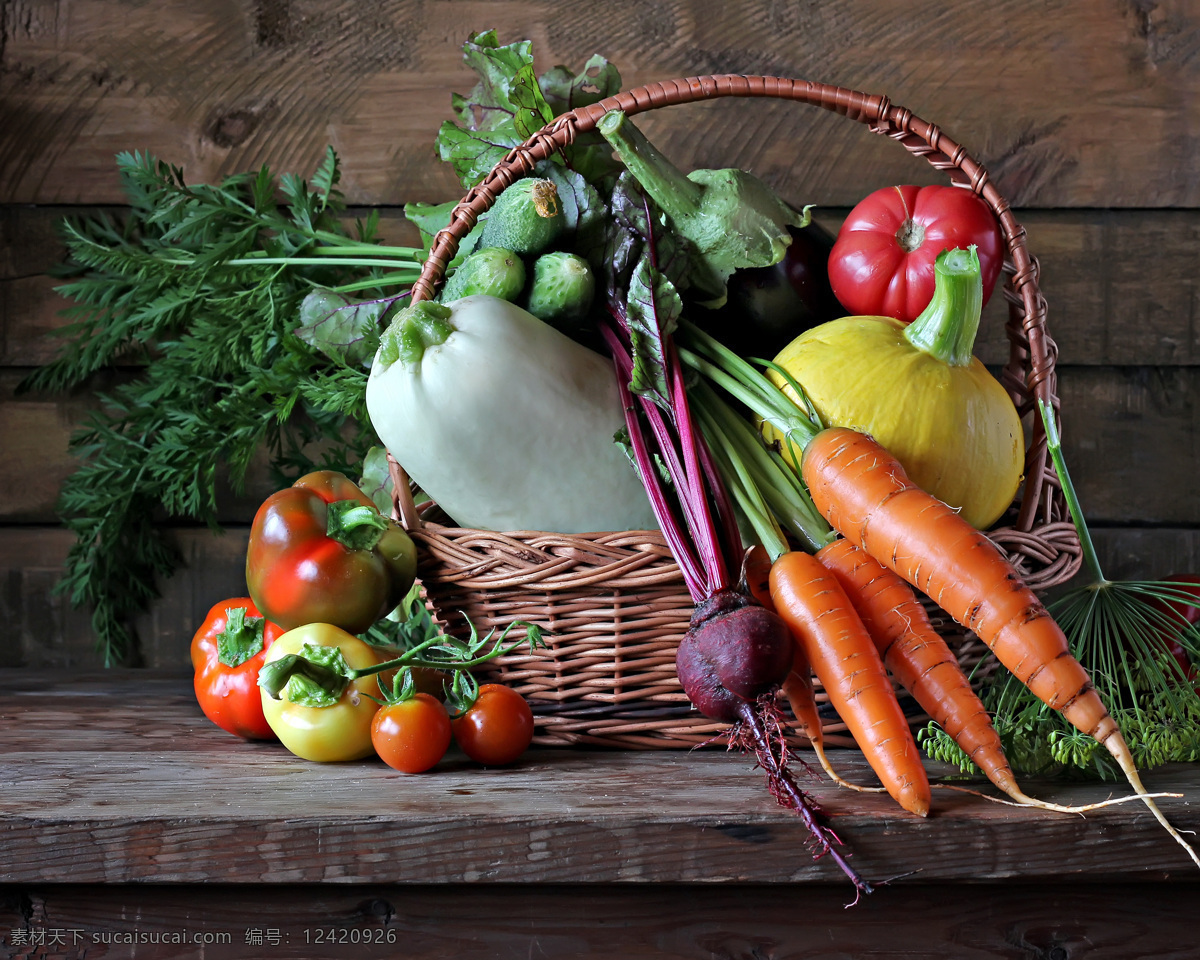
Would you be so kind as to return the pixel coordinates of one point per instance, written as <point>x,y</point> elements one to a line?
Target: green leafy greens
<point>234,322</point>
<point>195,296</point>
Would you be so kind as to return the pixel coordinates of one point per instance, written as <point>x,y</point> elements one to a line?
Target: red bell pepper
<point>321,552</point>
<point>227,652</point>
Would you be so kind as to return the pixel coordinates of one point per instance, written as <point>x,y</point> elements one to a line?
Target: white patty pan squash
<point>919,391</point>
<point>505,422</point>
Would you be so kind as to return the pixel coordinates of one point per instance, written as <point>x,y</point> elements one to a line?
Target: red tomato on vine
<point>413,734</point>
<point>497,728</point>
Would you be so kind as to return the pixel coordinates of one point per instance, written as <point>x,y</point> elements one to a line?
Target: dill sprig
<point>189,302</point>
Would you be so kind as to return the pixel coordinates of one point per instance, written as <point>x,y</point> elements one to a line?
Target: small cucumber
<point>526,218</point>
<point>491,270</point>
<point>562,288</point>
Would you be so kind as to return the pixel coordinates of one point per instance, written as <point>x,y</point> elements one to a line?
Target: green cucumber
<point>494,271</point>
<point>562,288</point>
<point>526,218</point>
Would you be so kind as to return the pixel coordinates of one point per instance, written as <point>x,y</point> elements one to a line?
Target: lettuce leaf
<point>503,110</point>
<point>510,103</point>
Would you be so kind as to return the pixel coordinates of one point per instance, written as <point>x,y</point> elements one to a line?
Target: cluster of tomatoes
<point>324,565</point>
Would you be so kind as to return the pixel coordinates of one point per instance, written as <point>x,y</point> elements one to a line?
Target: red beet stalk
<point>736,652</point>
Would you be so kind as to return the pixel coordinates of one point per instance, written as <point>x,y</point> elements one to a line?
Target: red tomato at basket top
<point>882,262</point>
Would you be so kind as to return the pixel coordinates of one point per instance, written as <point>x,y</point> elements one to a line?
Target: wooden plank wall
<point>1088,116</point>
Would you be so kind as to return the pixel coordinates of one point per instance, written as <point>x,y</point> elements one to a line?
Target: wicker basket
<point>615,604</point>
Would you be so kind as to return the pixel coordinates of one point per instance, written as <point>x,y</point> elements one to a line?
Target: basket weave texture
<point>614,603</point>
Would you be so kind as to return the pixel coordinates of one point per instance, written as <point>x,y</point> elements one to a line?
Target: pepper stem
<point>946,328</point>
<point>354,525</point>
<point>241,639</point>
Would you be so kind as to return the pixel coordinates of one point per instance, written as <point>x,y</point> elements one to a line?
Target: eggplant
<point>768,307</point>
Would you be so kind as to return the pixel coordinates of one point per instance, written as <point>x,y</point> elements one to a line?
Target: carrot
<point>798,687</point>
<point>917,656</point>
<point>866,496</point>
<point>843,656</point>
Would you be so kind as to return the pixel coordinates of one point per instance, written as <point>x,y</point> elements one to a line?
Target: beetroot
<point>734,652</point>
<point>731,661</point>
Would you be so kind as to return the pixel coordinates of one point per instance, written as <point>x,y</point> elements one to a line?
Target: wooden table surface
<point>124,812</point>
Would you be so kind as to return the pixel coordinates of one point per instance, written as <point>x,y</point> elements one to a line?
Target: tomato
<point>411,735</point>
<point>497,728</point>
<point>882,261</point>
<point>227,651</point>
<point>341,731</point>
<point>320,552</point>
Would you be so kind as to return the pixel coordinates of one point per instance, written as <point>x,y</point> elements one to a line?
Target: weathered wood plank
<point>1121,285</point>
<point>192,804</point>
<point>44,631</point>
<point>601,922</point>
<point>1067,110</point>
<point>1131,436</point>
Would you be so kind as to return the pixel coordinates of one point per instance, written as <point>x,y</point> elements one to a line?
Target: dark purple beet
<point>734,656</point>
<point>734,651</point>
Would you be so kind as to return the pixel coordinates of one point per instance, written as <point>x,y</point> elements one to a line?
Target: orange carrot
<point>866,496</point>
<point>919,658</point>
<point>798,687</point>
<point>844,657</point>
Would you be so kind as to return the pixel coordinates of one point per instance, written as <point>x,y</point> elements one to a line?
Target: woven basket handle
<point>1030,343</point>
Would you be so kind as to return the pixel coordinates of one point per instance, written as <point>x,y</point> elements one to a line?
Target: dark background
<point>1087,116</point>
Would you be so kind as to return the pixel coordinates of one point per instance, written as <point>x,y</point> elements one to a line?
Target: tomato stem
<point>911,235</point>
<point>322,680</point>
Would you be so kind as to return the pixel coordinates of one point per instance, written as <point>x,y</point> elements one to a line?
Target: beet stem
<point>784,788</point>
<point>677,540</point>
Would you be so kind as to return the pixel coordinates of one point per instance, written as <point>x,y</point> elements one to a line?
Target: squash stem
<point>1054,448</point>
<point>947,327</point>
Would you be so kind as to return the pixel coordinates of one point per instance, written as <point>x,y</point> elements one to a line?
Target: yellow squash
<point>919,391</point>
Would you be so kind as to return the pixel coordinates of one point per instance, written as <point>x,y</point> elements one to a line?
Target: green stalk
<point>737,478</point>
<point>747,384</point>
<point>669,186</point>
<point>764,471</point>
<point>946,328</point>
<point>349,247</point>
<point>399,279</point>
<point>327,261</point>
<point>1054,447</point>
